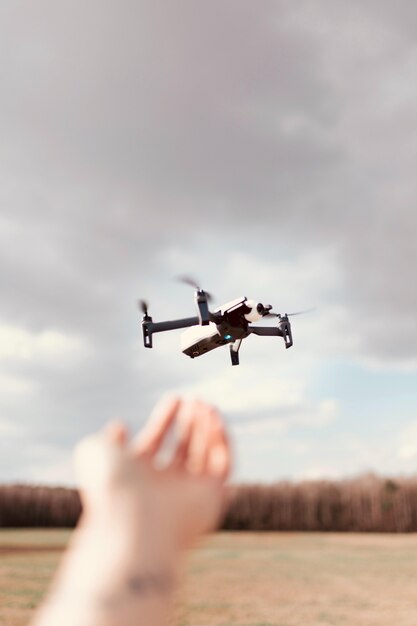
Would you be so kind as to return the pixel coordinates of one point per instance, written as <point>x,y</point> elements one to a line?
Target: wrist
<point>107,570</point>
<point>123,541</point>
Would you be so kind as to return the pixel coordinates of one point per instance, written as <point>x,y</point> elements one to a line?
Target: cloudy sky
<point>269,149</point>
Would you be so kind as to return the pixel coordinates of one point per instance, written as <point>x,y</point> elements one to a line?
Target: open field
<point>250,579</point>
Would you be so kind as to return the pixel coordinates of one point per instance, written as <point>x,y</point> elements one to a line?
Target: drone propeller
<point>291,314</point>
<point>143,306</point>
<point>301,312</point>
<point>190,281</point>
<point>202,299</point>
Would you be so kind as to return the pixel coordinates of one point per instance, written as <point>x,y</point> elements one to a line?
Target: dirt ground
<point>250,579</point>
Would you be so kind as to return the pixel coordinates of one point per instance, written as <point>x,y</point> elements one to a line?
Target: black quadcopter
<point>229,324</point>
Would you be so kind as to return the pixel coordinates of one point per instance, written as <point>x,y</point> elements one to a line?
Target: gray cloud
<point>130,129</point>
<point>146,90</point>
<point>126,126</point>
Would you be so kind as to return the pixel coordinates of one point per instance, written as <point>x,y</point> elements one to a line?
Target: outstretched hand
<point>125,486</point>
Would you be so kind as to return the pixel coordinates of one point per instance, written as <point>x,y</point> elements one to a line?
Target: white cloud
<point>407,442</point>
<point>303,414</point>
<point>56,472</point>
<point>18,343</point>
<point>7,427</point>
<point>299,282</point>
<point>240,391</point>
<point>50,464</point>
<point>323,471</point>
<point>15,385</point>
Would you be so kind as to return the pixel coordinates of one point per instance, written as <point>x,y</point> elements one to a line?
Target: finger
<point>198,448</point>
<point>219,459</point>
<point>155,430</point>
<point>191,419</point>
<point>116,433</point>
<point>186,425</point>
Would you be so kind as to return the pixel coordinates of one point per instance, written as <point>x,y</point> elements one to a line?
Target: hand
<point>124,488</point>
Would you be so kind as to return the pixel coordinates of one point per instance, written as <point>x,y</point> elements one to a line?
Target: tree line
<point>365,504</point>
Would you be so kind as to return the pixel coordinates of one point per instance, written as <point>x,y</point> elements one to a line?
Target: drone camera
<point>263,309</point>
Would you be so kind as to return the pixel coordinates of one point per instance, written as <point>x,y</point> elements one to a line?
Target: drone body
<point>229,324</point>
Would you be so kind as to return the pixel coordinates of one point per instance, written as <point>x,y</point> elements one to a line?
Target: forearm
<point>122,565</point>
<point>101,583</point>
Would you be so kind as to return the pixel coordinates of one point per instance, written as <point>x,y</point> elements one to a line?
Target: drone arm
<point>272,331</point>
<point>158,327</point>
<point>265,331</point>
<point>149,327</point>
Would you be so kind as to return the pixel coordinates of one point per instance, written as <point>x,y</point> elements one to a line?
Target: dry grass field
<point>250,579</point>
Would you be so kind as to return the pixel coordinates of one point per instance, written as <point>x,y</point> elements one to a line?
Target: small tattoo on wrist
<point>141,584</point>
<point>144,584</point>
<point>150,583</point>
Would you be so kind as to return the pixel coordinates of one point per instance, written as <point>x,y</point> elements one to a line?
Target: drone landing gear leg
<point>234,351</point>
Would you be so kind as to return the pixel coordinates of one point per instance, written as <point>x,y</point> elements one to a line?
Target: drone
<point>226,325</point>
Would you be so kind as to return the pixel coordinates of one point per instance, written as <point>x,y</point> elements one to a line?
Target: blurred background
<point>267,149</point>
